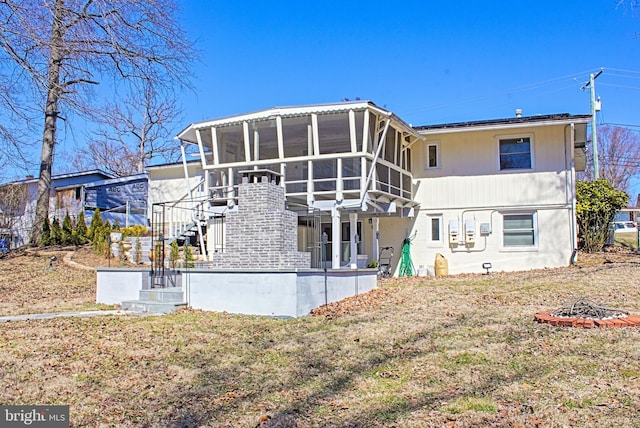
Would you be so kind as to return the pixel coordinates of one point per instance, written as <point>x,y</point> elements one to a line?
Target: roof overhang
<point>189,133</point>
<point>504,124</point>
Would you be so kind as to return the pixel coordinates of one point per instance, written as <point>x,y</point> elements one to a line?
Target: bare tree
<point>618,156</point>
<point>15,124</point>
<point>632,6</point>
<point>63,47</point>
<point>133,132</point>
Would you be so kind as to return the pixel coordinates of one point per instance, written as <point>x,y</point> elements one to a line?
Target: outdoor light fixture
<point>487,266</point>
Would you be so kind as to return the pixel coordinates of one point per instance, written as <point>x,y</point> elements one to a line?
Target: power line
<point>620,86</point>
<point>623,71</point>
<point>493,95</point>
<point>624,125</point>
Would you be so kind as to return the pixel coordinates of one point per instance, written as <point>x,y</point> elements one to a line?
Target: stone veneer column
<point>261,234</point>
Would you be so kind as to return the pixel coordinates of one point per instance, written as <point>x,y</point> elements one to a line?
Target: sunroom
<point>342,166</point>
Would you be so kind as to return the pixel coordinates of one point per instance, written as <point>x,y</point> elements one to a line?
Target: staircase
<point>157,301</point>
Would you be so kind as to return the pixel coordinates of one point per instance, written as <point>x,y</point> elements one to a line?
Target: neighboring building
<point>127,200</point>
<point>66,197</point>
<point>499,191</point>
<point>123,200</point>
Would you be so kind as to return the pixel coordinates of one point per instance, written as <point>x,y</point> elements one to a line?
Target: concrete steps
<point>157,301</point>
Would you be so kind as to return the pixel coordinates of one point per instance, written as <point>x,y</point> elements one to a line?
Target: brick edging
<point>546,317</point>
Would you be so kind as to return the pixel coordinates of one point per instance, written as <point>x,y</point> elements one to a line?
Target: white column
<point>256,147</point>
<point>339,182</point>
<point>375,222</point>
<point>203,159</point>
<point>246,138</point>
<point>214,145</point>
<point>280,137</point>
<point>230,192</point>
<point>353,239</point>
<point>336,239</point>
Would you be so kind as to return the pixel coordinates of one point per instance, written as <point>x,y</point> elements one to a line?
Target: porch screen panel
<point>372,132</point>
<point>359,130</point>
<point>324,175</point>
<point>231,144</point>
<point>267,140</point>
<point>390,144</point>
<point>382,176</point>
<point>395,182</point>
<point>351,173</point>
<point>406,186</point>
<point>295,136</point>
<point>334,133</point>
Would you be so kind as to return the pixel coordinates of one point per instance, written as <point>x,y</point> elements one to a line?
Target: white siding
<point>168,183</point>
<point>469,186</point>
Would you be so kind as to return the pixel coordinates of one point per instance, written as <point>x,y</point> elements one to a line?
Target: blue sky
<point>428,62</point>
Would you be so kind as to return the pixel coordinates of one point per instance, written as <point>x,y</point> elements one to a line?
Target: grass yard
<point>461,351</point>
<point>29,285</point>
<point>626,240</point>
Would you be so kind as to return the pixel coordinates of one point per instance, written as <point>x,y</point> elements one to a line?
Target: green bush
<point>80,233</point>
<point>56,232</point>
<point>96,224</point>
<point>45,234</point>
<point>174,254</point>
<point>66,237</point>
<point>188,257</point>
<point>597,203</point>
<point>136,230</point>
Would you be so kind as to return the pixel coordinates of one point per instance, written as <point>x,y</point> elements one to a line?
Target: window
<point>515,153</point>
<point>519,230</point>
<point>432,155</point>
<point>434,229</point>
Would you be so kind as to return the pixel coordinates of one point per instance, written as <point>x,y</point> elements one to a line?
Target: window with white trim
<point>515,153</point>
<point>432,155</point>
<point>434,229</point>
<point>519,230</point>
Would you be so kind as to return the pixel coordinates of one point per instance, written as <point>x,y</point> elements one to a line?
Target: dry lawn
<point>455,352</point>
<point>28,284</point>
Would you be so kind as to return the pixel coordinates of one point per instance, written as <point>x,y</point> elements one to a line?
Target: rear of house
<point>496,191</point>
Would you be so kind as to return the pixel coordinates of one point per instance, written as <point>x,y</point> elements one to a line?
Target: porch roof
<point>189,135</point>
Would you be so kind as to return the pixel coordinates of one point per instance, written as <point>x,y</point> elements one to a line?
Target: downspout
<point>375,158</point>
<point>570,180</point>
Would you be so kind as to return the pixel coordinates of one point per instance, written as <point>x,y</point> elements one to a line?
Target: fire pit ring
<point>587,314</point>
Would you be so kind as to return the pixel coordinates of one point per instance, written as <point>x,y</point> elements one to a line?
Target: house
<point>18,203</point>
<point>123,200</point>
<point>499,192</point>
<point>291,204</point>
<point>361,179</point>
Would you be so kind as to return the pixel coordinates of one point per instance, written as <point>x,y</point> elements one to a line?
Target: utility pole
<point>595,106</point>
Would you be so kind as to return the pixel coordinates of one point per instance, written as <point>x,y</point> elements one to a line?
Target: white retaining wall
<point>286,293</point>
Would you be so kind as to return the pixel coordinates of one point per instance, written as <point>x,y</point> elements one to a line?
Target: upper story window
<point>515,153</point>
<point>432,155</point>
